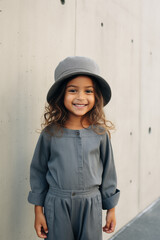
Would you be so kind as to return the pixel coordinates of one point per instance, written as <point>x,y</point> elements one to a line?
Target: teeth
<point>79,105</point>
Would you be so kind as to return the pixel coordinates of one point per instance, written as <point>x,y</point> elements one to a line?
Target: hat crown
<point>76,64</point>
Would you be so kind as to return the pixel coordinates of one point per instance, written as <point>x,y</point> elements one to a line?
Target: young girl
<point>72,173</point>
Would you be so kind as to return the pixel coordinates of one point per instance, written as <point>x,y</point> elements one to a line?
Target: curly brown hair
<point>56,114</point>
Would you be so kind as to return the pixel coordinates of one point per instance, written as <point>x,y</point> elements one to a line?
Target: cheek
<point>67,99</point>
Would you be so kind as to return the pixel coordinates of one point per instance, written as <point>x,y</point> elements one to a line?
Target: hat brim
<point>102,83</point>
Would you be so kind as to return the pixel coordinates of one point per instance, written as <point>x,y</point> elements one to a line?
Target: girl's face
<point>79,96</point>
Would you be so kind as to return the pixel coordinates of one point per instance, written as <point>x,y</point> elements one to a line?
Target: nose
<point>80,95</point>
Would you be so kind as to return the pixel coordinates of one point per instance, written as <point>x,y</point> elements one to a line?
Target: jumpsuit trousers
<point>73,215</point>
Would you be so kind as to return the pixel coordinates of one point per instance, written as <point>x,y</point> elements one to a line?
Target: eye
<point>72,90</point>
<point>89,91</point>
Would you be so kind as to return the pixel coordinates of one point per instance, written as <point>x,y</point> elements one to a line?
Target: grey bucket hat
<point>73,66</point>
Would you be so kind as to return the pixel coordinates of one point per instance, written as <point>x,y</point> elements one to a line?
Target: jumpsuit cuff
<point>110,202</point>
<point>36,198</point>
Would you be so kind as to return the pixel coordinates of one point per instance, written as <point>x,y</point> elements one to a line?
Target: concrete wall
<point>123,37</point>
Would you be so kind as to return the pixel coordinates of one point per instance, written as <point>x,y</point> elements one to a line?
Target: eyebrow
<point>77,86</point>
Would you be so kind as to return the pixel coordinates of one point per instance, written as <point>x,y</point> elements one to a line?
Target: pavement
<point>146,226</point>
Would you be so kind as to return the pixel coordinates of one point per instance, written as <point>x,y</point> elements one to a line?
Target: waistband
<point>73,193</point>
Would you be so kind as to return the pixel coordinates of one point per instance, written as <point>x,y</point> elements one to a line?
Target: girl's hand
<point>40,224</point>
<point>110,221</point>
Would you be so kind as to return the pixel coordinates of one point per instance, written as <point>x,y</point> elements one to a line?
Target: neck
<point>75,123</point>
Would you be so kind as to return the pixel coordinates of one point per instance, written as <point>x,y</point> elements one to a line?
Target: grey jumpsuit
<point>73,176</point>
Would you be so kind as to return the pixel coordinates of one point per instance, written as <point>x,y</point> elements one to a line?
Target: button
<point>77,133</point>
<point>73,194</point>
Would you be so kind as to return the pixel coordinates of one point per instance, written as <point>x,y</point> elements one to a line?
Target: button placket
<point>80,159</point>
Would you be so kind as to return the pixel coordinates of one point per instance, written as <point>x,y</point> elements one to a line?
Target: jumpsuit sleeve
<point>108,188</point>
<point>38,170</point>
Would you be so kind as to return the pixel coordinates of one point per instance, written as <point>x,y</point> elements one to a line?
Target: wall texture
<point>123,37</point>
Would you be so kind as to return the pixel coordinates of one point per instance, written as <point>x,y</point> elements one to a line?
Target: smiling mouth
<point>80,105</point>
